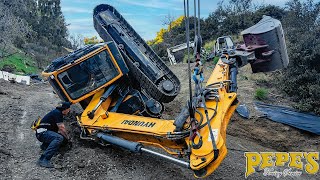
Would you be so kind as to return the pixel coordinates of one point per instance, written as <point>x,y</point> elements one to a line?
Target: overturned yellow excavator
<point>122,84</point>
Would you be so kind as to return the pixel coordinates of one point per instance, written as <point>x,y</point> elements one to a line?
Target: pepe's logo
<point>297,162</point>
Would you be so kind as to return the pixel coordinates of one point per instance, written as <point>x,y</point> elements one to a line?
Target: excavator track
<point>144,64</point>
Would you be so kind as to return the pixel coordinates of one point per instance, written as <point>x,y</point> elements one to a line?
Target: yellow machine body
<point>121,85</point>
<point>154,131</point>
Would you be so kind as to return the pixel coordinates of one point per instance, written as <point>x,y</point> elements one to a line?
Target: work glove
<point>201,79</point>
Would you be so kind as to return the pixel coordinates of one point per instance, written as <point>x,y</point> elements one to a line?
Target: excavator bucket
<point>266,39</point>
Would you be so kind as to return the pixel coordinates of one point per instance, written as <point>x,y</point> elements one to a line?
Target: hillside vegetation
<point>32,32</point>
<point>18,63</point>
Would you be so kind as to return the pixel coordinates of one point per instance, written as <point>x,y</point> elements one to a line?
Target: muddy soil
<point>19,149</point>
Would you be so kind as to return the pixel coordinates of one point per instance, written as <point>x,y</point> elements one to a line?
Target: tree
<point>34,28</point>
<point>51,22</point>
<point>159,37</point>
<point>301,80</point>
<point>11,28</point>
<point>77,41</point>
<point>269,10</point>
<point>167,21</point>
<point>92,40</point>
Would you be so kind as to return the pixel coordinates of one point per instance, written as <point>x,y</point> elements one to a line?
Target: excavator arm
<point>121,85</point>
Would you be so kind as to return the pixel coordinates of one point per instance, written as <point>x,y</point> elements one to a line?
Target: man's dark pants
<point>53,140</point>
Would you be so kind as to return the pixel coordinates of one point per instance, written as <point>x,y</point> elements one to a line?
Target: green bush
<point>208,46</point>
<point>261,94</point>
<point>215,60</point>
<point>301,80</point>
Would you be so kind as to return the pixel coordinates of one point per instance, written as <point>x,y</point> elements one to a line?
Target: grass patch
<point>215,60</point>
<point>209,45</point>
<point>261,94</point>
<point>21,64</point>
<point>191,57</point>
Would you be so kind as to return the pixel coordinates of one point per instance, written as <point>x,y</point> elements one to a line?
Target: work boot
<point>43,162</point>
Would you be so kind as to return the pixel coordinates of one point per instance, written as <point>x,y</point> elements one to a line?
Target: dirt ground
<point>19,149</point>
<point>264,131</point>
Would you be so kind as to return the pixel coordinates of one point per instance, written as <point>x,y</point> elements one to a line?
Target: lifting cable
<point>186,15</point>
<point>195,21</point>
<point>198,42</point>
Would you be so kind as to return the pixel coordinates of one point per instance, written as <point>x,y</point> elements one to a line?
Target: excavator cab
<point>80,75</point>
<point>88,75</point>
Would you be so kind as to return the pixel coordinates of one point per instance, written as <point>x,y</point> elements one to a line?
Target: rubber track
<point>105,19</point>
